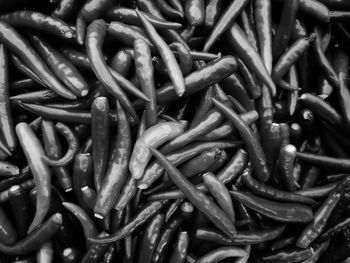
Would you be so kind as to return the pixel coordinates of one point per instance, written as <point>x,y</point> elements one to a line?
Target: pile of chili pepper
<point>175,131</point>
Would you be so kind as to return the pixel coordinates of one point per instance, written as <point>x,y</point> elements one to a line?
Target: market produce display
<point>196,131</point>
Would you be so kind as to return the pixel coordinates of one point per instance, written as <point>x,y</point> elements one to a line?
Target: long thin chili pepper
<point>287,212</point>
<point>325,161</point>
<point>145,74</point>
<point>287,255</point>
<point>225,20</point>
<point>36,238</point>
<point>73,146</point>
<point>139,219</point>
<point>129,16</point>
<point>168,10</point>
<point>166,54</point>
<point>12,40</point>
<point>94,40</point>
<point>221,253</point>
<point>239,42</point>
<point>241,237</point>
<point>200,200</point>
<point>255,151</point>
<point>34,152</point>
<point>53,149</point>
<point>39,21</point>
<point>251,83</point>
<point>314,228</point>
<point>153,137</point>
<point>150,238</point>
<point>117,170</point>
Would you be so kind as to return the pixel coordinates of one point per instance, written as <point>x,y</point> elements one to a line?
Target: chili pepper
<point>64,70</point>
<point>205,104</point>
<point>129,16</point>
<point>73,146</point>
<point>284,30</point>
<point>292,54</point>
<point>200,200</point>
<point>89,196</point>
<point>283,242</point>
<point>139,219</point>
<point>168,10</point>
<point>153,137</point>
<point>23,84</point>
<point>155,170</point>
<point>166,235</point>
<point>241,237</point>
<point>21,211</point>
<point>70,254</point>
<point>212,12</point>
<point>318,192</point>
<point>166,54</point>
<point>333,231</point>
<point>173,208</point>
<point>247,25</point>
<point>53,149</point>
<point>314,228</point>
<point>249,55</point>
<point>271,192</point>
<point>126,194</point>
<point>8,169</point>
<point>185,56</point>
<point>287,255</point>
<point>45,253</point>
<point>12,40</point>
<point>35,96</point>
<point>35,239</point>
<point>34,152</point>
<point>310,177</point>
<point>285,167</point>
<point>6,122</point>
<point>259,163</point>
<point>322,60</point>
<point>40,22</point>
<point>252,86</point>
<point>8,182</point>
<point>117,169</point>
<point>28,184</point>
<point>229,15</point>
<point>95,251</point>
<point>293,95</point>
<point>150,238</point>
<point>64,9</point>
<point>195,13</point>
<point>96,32</point>
<point>8,234</point>
<point>181,246</point>
<point>121,62</point>
<point>144,71</point>
<point>288,212</point>
<point>221,253</point>
<point>87,224</point>
<point>325,161</point>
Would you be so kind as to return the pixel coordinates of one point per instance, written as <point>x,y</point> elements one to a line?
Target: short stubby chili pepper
<point>200,200</point>
<point>194,10</point>
<point>286,212</point>
<point>34,153</point>
<point>152,137</point>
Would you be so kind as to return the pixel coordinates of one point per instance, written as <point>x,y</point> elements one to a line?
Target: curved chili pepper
<point>34,152</point>
<point>35,239</point>
<point>73,146</point>
<point>249,55</point>
<point>139,219</point>
<point>155,170</point>
<point>284,30</point>
<point>166,54</point>
<point>221,194</point>
<point>168,10</point>
<point>247,24</point>
<point>145,74</point>
<point>241,237</point>
<point>94,40</point>
<point>35,96</point>
<point>61,67</point>
<point>53,149</point>
<point>153,137</point>
<point>185,56</point>
<point>64,9</point>
<point>287,255</point>
<point>287,212</point>
<point>292,54</point>
<point>229,15</point>
<point>212,13</point>
<point>11,39</point>
<point>150,238</point>
<point>129,16</point>
<point>166,235</point>
<point>323,61</point>
<point>194,11</point>
<point>87,224</point>
<point>314,228</point>
<point>251,85</point>
<point>200,200</point>
<point>255,151</point>
<point>271,192</point>
<point>96,251</point>
<point>221,253</point>
<point>318,192</point>
<point>40,22</point>
<point>6,123</point>
<point>117,169</point>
